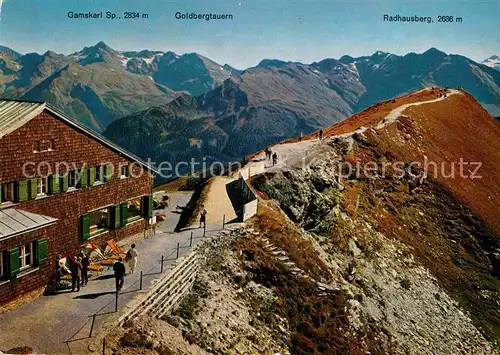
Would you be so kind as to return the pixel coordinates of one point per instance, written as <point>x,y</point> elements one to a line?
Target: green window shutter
<point>14,261</point>
<point>22,191</point>
<point>107,172</point>
<point>64,182</point>
<point>124,213</point>
<point>115,217</point>
<point>33,186</point>
<point>91,176</point>
<point>54,184</point>
<point>147,206</point>
<point>85,226</point>
<point>84,178</point>
<point>42,251</point>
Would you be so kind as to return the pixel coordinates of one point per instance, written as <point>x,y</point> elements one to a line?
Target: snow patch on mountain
<point>493,62</point>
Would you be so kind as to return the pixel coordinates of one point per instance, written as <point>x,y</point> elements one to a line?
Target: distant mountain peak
<point>272,63</point>
<point>103,45</point>
<point>493,62</point>
<point>10,52</point>
<point>346,59</point>
<point>434,52</point>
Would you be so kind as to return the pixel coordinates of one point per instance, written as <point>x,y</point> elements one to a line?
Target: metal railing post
<point>140,282</point>
<point>223,221</point>
<point>92,326</point>
<point>161,268</point>
<point>177,257</point>
<point>103,346</point>
<point>204,229</point>
<point>191,240</point>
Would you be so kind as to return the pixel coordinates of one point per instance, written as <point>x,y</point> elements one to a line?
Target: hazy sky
<point>305,31</point>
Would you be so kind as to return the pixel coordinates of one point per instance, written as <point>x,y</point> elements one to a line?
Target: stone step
<point>278,252</point>
<point>289,263</point>
<point>283,258</point>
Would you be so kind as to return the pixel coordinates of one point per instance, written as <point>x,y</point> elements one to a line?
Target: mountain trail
<point>292,154</point>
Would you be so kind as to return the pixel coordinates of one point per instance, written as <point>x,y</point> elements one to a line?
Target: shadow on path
<point>93,295</point>
<point>234,194</point>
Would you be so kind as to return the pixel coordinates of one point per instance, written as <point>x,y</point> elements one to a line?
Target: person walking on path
<point>76,269</point>
<point>85,269</point>
<point>119,270</point>
<point>203,216</point>
<point>268,153</point>
<point>132,258</point>
<point>301,136</point>
<point>321,134</point>
<point>275,158</point>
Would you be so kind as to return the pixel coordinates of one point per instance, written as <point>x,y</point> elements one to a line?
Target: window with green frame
<point>99,221</point>
<point>23,258</point>
<point>134,209</point>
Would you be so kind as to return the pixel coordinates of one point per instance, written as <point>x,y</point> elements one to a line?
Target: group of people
<point>320,135</point>
<point>79,266</point>
<point>120,270</point>
<point>79,269</point>
<point>271,155</point>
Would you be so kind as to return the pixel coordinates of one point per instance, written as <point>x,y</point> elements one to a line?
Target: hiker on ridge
<point>275,158</point>
<point>321,134</point>
<point>268,153</point>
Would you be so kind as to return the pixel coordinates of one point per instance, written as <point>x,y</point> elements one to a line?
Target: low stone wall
<point>250,209</point>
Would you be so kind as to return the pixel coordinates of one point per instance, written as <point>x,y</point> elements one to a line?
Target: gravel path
<point>217,202</point>
<point>298,153</point>
<point>60,324</point>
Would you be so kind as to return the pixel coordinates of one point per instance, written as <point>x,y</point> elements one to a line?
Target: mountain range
<point>188,105</point>
<point>277,99</point>
<point>99,84</point>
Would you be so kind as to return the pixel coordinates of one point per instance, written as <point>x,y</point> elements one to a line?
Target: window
<point>8,192</point>
<point>134,209</point>
<point>50,144</point>
<point>124,171</point>
<point>99,174</point>
<point>72,179</point>
<point>36,146</point>
<point>42,186</point>
<point>99,221</point>
<point>26,256</point>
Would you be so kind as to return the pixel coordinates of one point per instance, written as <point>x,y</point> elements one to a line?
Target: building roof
<point>14,222</point>
<point>16,113</point>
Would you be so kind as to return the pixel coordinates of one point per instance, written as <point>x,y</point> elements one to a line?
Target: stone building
<point>61,185</point>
